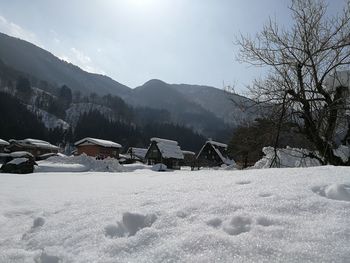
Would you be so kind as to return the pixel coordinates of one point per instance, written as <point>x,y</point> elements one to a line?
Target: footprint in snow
<point>131,223</point>
<point>238,225</point>
<point>340,192</point>
<point>243,182</point>
<point>263,221</point>
<point>265,195</point>
<point>214,222</point>
<point>45,258</point>
<point>37,223</point>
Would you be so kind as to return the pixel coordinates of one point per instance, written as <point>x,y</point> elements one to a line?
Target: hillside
<point>206,110</point>
<point>160,95</point>
<point>28,58</point>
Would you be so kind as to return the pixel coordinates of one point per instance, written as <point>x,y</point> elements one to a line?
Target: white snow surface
<point>76,110</point>
<point>104,143</point>
<point>269,215</point>
<point>81,163</point>
<point>50,121</point>
<point>168,148</point>
<point>286,157</point>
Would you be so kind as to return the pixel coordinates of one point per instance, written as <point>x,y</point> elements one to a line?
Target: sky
<point>133,41</point>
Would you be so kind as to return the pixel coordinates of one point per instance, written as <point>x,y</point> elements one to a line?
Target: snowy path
<point>272,215</point>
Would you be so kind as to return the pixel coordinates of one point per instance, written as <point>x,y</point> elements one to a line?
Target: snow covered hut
<point>214,154</point>
<point>164,151</point>
<point>98,148</point>
<point>137,154</point>
<point>33,146</point>
<point>3,144</point>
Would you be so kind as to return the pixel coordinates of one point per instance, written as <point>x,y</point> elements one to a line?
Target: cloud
<point>79,58</point>
<point>74,55</point>
<point>15,30</point>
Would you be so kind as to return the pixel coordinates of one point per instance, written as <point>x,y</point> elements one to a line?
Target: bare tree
<point>301,60</point>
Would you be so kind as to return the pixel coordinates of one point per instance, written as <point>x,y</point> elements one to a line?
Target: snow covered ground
<point>268,215</point>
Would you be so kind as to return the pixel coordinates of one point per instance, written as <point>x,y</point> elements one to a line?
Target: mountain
<point>197,100</point>
<point>207,110</point>
<point>232,108</point>
<point>157,94</point>
<point>28,58</point>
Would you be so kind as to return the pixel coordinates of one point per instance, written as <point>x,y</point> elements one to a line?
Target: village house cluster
<point>160,151</point>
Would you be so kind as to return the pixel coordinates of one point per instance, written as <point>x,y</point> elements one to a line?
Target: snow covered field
<point>271,215</point>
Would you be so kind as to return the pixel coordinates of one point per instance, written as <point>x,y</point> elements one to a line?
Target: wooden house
<point>189,158</point>
<point>136,154</point>
<point>33,146</point>
<point>164,151</point>
<point>214,154</point>
<point>98,148</point>
<point>3,145</point>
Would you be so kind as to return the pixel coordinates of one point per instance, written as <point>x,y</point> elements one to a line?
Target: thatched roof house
<point>3,144</point>
<point>164,151</point>
<point>33,146</point>
<point>214,154</point>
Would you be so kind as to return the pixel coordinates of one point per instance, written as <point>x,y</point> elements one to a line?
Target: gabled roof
<point>100,142</point>
<point>218,146</point>
<point>3,142</point>
<point>168,148</point>
<point>189,152</point>
<point>138,152</point>
<point>35,143</point>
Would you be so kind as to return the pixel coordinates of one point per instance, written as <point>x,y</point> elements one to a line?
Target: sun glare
<point>143,4</point>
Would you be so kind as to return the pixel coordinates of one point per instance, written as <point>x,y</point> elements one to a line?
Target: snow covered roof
<point>168,148</point>
<point>3,142</point>
<point>189,152</point>
<point>100,142</point>
<point>138,152</point>
<point>17,155</point>
<point>18,161</point>
<point>35,143</point>
<point>219,144</point>
<point>224,159</point>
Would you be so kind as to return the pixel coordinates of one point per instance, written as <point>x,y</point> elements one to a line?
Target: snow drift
<point>287,157</point>
<point>81,163</point>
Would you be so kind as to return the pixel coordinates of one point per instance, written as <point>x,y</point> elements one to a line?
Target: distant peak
<point>154,82</point>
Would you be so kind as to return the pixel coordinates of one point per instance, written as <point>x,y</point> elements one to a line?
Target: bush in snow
<point>287,157</point>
